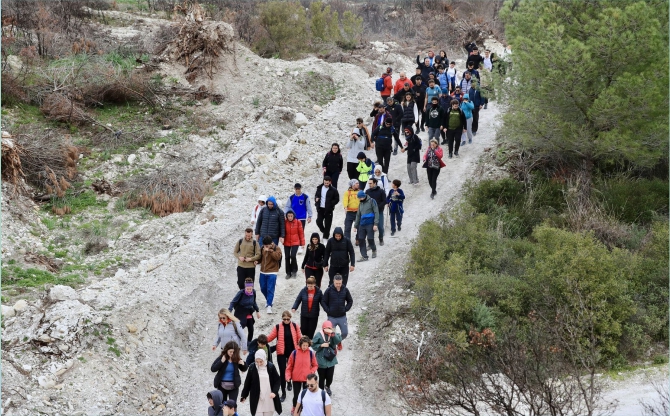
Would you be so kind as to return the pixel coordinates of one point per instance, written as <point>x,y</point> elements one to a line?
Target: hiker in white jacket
<point>257,209</point>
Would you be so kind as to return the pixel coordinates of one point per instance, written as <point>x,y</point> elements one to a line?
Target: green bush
<point>286,25</point>
<point>634,201</point>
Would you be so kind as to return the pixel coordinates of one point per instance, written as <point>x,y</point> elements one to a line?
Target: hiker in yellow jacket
<point>364,169</point>
<point>351,202</point>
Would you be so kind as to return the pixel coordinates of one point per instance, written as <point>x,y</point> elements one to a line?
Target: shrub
<point>352,30</point>
<point>634,201</point>
<point>167,192</point>
<point>48,160</point>
<point>286,26</point>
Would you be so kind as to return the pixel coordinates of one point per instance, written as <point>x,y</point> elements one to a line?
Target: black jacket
<point>333,162</point>
<point>413,148</point>
<point>332,197</point>
<point>341,253</point>
<point>314,258</point>
<point>425,70</point>
<point>396,113</point>
<point>400,95</point>
<point>419,94</point>
<point>243,305</point>
<point>445,119</point>
<point>252,347</point>
<point>252,387</point>
<point>303,298</point>
<point>476,59</point>
<point>220,368</point>
<point>408,112</point>
<point>382,136</point>
<point>337,303</point>
<point>270,222</point>
<point>378,195</point>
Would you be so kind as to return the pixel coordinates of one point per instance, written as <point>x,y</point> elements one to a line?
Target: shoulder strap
<point>302,397</point>
<point>293,355</point>
<point>277,332</point>
<point>235,328</point>
<point>323,398</point>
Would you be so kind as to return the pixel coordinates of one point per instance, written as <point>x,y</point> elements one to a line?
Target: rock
<point>46,382</point>
<point>8,311</point>
<point>14,63</point>
<point>284,153</point>
<point>132,328</point>
<point>160,408</point>
<point>45,338</point>
<point>300,120</point>
<point>60,292</point>
<point>27,367</point>
<point>120,273</point>
<point>246,168</point>
<point>131,158</point>
<point>317,108</point>
<point>262,159</point>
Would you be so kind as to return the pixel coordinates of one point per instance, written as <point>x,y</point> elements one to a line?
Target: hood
<point>273,200</point>
<point>217,397</point>
<point>466,96</point>
<point>315,235</point>
<point>289,211</point>
<point>411,130</point>
<point>338,230</point>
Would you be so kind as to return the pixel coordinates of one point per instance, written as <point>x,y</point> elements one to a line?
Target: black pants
<point>290,253</point>
<point>243,273</point>
<point>333,270</point>
<point>297,388</point>
<point>351,170</point>
<point>326,376</point>
<point>383,158</point>
<point>308,325</point>
<point>396,136</point>
<point>349,219</point>
<point>324,219</point>
<point>229,394</point>
<point>422,115</point>
<point>334,176</point>
<point>454,140</point>
<point>250,328</point>
<point>475,119</point>
<point>432,178</point>
<point>282,360</point>
<point>316,273</point>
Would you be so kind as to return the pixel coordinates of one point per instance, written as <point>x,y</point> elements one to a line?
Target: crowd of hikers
<point>436,98</point>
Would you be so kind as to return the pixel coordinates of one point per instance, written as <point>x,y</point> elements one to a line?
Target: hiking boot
<point>327,389</point>
<point>374,255</point>
<point>450,156</point>
<point>365,258</point>
<point>381,242</point>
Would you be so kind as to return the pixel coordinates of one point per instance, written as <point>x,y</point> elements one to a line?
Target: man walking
<point>350,202</point>
<point>270,262</point>
<point>367,219</point>
<point>378,193</point>
<point>301,206</point>
<point>336,302</point>
<point>419,90</point>
<point>382,137</point>
<point>340,252</point>
<point>326,198</point>
<point>478,102</point>
<point>313,401</point>
<point>248,253</point>
<point>270,222</point>
<point>395,109</point>
<point>435,114</point>
<point>454,124</point>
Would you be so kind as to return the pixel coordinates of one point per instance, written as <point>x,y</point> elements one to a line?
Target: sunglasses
<point>311,385</point>
<point>286,319</point>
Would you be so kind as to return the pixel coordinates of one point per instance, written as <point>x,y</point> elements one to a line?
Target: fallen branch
<point>418,352</point>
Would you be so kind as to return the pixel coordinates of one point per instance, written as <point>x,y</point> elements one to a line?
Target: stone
<point>132,158</point>
<point>8,311</point>
<point>60,292</point>
<point>45,338</point>
<point>120,273</point>
<point>300,120</point>
<point>46,382</point>
<point>317,108</point>
<point>132,328</point>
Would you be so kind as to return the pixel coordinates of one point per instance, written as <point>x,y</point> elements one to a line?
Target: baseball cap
<point>230,403</point>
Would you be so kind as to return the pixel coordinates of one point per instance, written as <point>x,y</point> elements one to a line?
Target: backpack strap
<point>323,398</point>
<point>235,328</point>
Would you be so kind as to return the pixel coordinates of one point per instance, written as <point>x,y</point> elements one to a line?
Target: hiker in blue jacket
<point>270,222</point>
<point>395,199</point>
<point>301,206</point>
<point>467,107</point>
<point>367,218</point>
<point>478,102</point>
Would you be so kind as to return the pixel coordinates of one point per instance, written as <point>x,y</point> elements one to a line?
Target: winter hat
<point>352,183</point>
<point>361,194</point>
<point>466,96</point>
<point>262,198</point>
<point>327,324</point>
<point>361,155</point>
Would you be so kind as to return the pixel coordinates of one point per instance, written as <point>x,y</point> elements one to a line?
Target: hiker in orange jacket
<point>301,362</point>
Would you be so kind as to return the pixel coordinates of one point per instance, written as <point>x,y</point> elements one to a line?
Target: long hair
<point>236,351</point>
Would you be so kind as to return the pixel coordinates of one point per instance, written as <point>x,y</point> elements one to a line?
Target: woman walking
<point>310,297</point>
<point>229,329</point>
<point>432,162</point>
<point>332,163</point>
<point>325,343</point>
<point>413,149</point>
<point>288,336</point>
<point>244,304</point>
<point>294,239</point>
<point>356,145</point>
<point>262,387</point>
<point>410,111</point>
<point>301,362</point>
<point>312,263</point>
<point>227,368</point>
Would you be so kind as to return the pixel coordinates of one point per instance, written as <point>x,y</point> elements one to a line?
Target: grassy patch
<point>363,324</point>
<point>16,276</point>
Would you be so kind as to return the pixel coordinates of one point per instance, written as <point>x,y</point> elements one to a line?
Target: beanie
<point>327,324</point>
<point>361,194</point>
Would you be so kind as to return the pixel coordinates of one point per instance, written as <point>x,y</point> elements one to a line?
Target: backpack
<point>323,398</point>
<point>379,84</point>
<point>255,244</point>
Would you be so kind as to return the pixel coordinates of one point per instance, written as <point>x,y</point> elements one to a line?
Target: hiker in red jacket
<point>294,239</point>
<point>301,362</point>
<point>288,337</point>
<point>388,83</point>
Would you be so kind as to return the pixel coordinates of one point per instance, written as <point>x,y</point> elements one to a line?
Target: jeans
<point>291,261</point>
<point>433,133</point>
<point>326,376</point>
<point>366,232</point>
<point>334,176</point>
<point>243,273</point>
<point>432,178</point>
<point>341,270</point>
<point>324,219</point>
<point>383,157</point>
<point>316,273</point>
<point>268,282</point>
<point>412,173</point>
<point>469,130</point>
<point>380,226</point>
<point>342,323</point>
<point>475,119</point>
<point>349,219</point>
<point>396,218</point>
<point>453,140</point>
<point>308,325</point>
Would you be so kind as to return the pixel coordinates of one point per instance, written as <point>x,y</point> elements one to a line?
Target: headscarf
<point>260,355</point>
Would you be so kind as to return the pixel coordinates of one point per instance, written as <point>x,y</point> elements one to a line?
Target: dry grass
<point>12,171</point>
<point>167,192</point>
<point>58,107</point>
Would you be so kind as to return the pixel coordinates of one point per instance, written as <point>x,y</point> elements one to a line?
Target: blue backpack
<point>379,85</point>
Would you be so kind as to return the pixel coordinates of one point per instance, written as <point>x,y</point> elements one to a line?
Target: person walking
<point>478,102</point>
<point>367,218</point>
<point>244,304</point>
<point>295,238</point>
<point>454,125</point>
<point>395,110</point>
<point>356,145</point>
<point>341,254</point>
<point>248,253</point>
<point>413,148</point>
<point>382,137</point>
<point>388,83</point>
<point>312,263</point>
<point>262,387</point>
<point>333,163</point>
<point>336,302</point>
<point>326,198</point>
<point>288,336</point>
<point>419,91</point>
<point>364,168</point>
<point>301,362</point>
<point>382,180</point>
<point>364,133</point>
<point>410,111</point>
<point>435,115</point>
<point>395,199</point>
<point>400,83</point>
<point>432,162</point>
<point>467,107</point>
<point>270,264</point>
<point>326,343</point>
<point>270,222</point>
<point>425,66</point>
<point>310,298</point>
<point>215,399</point>
<point>229,329</point>
<point>257,208</point>
<point>260,343</point>
<point>301,205</point>
<point>350,202</point>
<point>379,195</point>
<point>227,368</point>
<point>313,401</point>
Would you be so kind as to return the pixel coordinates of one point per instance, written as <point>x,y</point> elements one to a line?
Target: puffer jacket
<point>295,236</point>
<point>340,253</point>
<point>314,258</point>
<point>270,221</point>
<point>303,299</point>
<point>243,305</point>
<point>278,333</point>
<point>300,364</point>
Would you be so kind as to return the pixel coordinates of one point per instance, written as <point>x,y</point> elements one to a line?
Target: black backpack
<point>255,245</point>
<point>323,398</point>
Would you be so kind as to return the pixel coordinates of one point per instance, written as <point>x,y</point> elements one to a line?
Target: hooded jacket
<point>220,368</point>
<point>395,202</point>
<point>303,298</point>
<point>314,258</point>
<point>364,169</point>
<point>333,162</point>
<point>434,114</point>
<point>232,331</point>
<point>368,206</point>
<point>355,147</point>
<point>271,260</point>
<point>332,197</point>
<point>337,303</point>
<point>243,305</point>
<point>333,340</point>
<point>270,221</point>
<point>467,107</point>
<point>295,235</point>
<point>217,409</point>
<point>476,97</point>
<point>413,147</point>
<point>340,253</point>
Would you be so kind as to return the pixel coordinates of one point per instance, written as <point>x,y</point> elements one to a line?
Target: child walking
<point>395,199</point>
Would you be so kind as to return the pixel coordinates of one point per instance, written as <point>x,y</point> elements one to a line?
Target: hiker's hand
<point>293,310</point>
<point>325,268</point>
<point>258,315</point>
<point>272,395</point>
<point>351,268</point>
<point>325,344</point>
<point>374,228</point>
<point>309,220</point>
<point>242,258</point>
<point>214,348</point>
<point>281,240</point>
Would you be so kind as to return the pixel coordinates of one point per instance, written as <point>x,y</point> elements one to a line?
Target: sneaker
<point>327,389</point>
<point>268,310</point>
<point>374,255</point>
<point>381,242</point>
<point>340,346</point>
<point>474,133</point>
<point>300,250</point>
<point>392,233</point>
<point>395,151</point>
<point>288,276</point>
<point>432,196</point>
<point>463,143</point>
<point>456,154</point>
<point>365,258</point>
